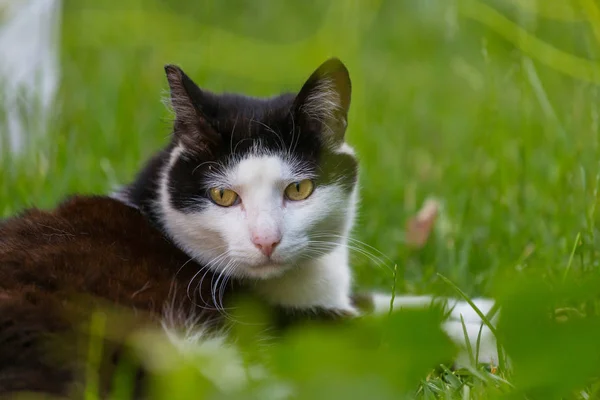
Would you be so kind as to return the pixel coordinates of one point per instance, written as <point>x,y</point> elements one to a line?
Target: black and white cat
<point>266,190</point>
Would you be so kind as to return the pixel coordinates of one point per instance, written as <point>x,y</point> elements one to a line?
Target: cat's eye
<point>223,197</point>
<point>299,190</point>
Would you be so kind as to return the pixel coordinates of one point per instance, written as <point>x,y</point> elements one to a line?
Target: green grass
<point>490,106</point>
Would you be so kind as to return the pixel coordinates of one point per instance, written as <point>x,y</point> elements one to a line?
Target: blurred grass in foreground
<point>490,106</point>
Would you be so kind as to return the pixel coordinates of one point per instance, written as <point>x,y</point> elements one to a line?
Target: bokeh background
<point>488,106</point>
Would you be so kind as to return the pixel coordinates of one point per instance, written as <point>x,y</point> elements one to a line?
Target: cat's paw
<point>461,317</point>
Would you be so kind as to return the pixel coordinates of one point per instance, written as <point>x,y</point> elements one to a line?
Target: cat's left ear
<point>193,110</point>
<point>323,102</point>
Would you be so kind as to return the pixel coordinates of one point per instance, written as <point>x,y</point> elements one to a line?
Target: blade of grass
<point>571,256</point>
<point>452,379</point>
<point>467,341</point>
<point>462,294</point>
<point>97,329</point>
<point>395,278</point>
<point>541,95</point>
<point>477,346</point>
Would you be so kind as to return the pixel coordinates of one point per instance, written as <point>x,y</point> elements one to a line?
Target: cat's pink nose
<point>266,244</point>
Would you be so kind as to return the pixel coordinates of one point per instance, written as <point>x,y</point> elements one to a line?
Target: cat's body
<point>57,267</point>
<point>97,247</point>
<point>251,196</point>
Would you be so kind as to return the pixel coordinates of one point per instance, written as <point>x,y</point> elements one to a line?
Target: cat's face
<point>254,187</point>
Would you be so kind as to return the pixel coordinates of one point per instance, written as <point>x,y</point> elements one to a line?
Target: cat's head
<point>253,187</point>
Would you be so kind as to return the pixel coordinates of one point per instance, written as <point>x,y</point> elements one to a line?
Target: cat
<point>251,196</point>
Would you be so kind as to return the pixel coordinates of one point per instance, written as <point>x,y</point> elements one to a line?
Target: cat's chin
<point>265,271</point>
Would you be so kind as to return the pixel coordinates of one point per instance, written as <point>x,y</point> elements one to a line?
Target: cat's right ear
<point>323,102</point>
<point>191,126</point>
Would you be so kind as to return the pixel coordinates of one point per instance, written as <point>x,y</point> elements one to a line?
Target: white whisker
<point>329,246</point>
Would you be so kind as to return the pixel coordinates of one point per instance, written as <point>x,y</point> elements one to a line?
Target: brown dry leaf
<point>419,227</point>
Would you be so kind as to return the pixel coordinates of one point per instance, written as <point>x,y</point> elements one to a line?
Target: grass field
<point>492,107</point>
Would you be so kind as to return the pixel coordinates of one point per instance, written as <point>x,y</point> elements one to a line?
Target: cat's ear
<point>323,102</point>
<point>191,107</point>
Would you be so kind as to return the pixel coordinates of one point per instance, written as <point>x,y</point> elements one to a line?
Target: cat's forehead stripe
<point>259,171</point>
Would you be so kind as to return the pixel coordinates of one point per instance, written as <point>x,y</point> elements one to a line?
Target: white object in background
<point>29,68</point>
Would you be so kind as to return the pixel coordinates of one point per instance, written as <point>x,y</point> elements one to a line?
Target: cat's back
<point>93,245</point>
<point>98,215</point>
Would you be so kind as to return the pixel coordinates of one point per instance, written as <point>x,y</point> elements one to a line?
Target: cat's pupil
<point>297,184</point>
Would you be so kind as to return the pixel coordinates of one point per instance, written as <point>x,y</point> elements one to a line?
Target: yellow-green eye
<point>223,197</point>
<point>299,190</point>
